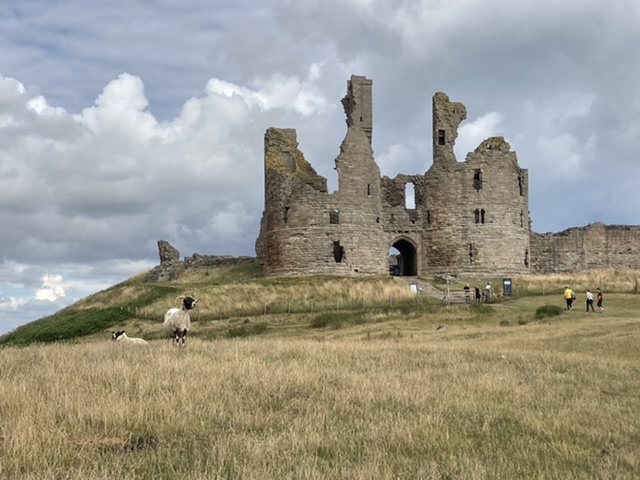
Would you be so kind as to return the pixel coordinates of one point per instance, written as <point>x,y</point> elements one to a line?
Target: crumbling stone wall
<point>307,230</point>
<point>469,216</point>
<point>171,267</point>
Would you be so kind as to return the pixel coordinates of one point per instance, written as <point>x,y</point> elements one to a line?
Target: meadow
<point>416,390</point>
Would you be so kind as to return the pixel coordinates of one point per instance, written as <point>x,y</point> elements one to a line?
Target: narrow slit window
<point>338,251</point>
<point>482,216</point>
<point>429,217</point>
<point>477,215</point>
<point>520,184</point>
<point>368,189</point>
<point>285,215</point>
<point>441,137</point>
<point>471,254</point>
<point>334,216</point>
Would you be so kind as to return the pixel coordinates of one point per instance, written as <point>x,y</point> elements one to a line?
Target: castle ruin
<point>468,218</point>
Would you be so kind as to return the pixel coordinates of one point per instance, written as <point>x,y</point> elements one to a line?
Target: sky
<point>131,121</point>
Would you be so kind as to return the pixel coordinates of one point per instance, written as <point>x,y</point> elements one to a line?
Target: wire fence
<point>207,313</point>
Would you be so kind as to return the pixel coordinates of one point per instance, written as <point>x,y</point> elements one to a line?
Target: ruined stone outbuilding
<point>469,217</point>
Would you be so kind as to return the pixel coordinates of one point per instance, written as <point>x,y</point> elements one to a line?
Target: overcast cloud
<point>130,121</point>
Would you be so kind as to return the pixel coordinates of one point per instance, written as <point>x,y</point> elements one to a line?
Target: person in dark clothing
<point>599,299</point>
<point>478,294</point>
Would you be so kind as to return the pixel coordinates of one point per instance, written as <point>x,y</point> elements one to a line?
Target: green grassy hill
<point>239,301</point>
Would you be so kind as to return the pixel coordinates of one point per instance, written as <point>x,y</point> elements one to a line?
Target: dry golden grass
<point>299,295</point>
<point>610,281</point>
<point>398,399</point>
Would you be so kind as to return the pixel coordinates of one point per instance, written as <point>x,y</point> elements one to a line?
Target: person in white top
<point>590,301</point>
<point>487,292</point>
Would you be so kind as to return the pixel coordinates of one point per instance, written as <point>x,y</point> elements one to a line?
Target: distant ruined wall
<point>594,247</point>
<point>171,267</point>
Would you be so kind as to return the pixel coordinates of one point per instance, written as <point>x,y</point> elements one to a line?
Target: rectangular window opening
<point>338,251</point>
<point>477,179</point>
<point>441,137</point>
<point>334,216</point>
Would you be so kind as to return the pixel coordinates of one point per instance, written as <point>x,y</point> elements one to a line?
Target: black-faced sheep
<point>177,322</point>
<point>120,336</point>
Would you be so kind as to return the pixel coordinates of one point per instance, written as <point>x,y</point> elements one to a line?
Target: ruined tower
<point>307,230</point>
<point>467,217</point>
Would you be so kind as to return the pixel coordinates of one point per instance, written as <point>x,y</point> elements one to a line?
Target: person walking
<point>590,300</point>
<point>487,292</point>
<point>568,297</point>
<point>599,299</point>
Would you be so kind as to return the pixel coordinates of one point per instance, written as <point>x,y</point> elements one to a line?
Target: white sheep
<point>177,322</point>
<point>120,336</point>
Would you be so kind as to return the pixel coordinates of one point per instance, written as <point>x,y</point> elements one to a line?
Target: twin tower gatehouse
<point>469,217</point>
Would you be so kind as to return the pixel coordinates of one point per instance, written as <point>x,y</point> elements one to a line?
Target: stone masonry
<point>466,218</point>
<point>469,217</point>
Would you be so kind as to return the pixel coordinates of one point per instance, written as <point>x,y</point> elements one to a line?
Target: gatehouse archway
<point>406,264</point>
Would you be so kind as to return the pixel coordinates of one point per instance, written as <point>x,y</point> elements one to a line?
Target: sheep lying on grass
<point>120,336</point>
<point>177,322</point>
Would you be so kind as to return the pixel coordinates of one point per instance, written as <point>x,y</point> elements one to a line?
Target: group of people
<point>570,296</point>
<point>477,293</point>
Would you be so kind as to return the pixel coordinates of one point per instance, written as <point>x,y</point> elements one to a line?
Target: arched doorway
<point>406,258</point>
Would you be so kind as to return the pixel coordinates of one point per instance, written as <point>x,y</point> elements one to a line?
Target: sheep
<point>177,322</point>
<point>120,336</point>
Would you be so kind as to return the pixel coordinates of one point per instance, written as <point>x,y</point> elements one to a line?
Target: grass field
<point>407,392</point>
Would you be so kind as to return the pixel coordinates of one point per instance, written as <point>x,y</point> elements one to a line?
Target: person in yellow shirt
<point>569,296</point>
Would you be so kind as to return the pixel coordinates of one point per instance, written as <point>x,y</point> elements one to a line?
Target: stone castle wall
<point>594,247</point>
<point>469,216</point>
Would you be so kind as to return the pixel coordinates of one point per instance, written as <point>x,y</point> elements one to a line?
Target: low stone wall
<point>171,267</point>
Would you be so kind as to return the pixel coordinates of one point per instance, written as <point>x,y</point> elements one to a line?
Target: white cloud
<point>471,134</point>
<point>51,289</point>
